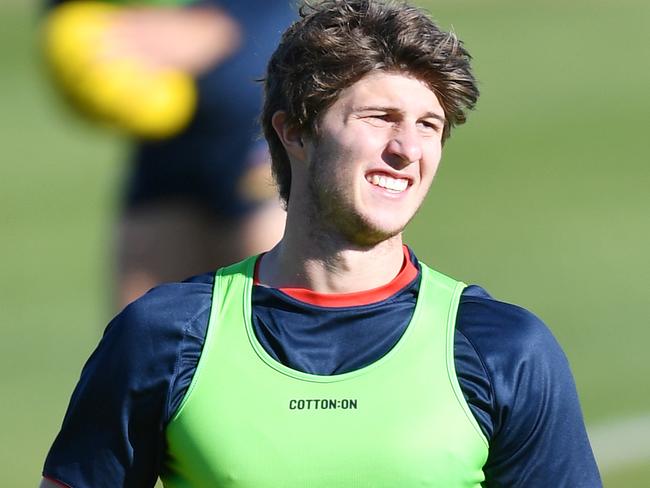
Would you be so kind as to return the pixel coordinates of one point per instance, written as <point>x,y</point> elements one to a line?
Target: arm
<point>190,39</point>
<point>134,68</point>
<point>150,72</point>
<point>113,431</point>
<point>525,398</point>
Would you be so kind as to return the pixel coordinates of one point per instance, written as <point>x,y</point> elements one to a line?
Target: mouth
<point>387,182</point>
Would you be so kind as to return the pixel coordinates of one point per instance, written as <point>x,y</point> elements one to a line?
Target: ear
<point>290,136</point>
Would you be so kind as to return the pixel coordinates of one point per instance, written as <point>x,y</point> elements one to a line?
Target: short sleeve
<point>524,393</point>
<point>113,431</point>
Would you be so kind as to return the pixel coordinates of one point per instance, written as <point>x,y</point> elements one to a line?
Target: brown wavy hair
<point>337,42</point>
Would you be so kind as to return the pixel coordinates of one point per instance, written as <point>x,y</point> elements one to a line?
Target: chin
<point>371,233</point>
<point>390,221</point>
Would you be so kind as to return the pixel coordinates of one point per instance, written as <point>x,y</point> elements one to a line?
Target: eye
<point>431,125</point>
<point>378,119</point>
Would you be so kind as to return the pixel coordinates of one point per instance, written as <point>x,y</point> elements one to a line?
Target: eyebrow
<point>383,108</point>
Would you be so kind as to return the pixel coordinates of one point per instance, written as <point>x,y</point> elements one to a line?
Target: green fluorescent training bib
<point>401,422</point>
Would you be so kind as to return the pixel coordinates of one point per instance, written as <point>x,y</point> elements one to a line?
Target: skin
<point>189,39</point>
<point>344,230</point>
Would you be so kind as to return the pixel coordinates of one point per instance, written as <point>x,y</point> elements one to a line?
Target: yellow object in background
<point>116,91</point>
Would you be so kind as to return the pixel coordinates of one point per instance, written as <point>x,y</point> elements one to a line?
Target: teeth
<point>385,181</point>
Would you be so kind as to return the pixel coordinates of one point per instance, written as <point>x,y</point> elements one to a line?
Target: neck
<point>326,264</point>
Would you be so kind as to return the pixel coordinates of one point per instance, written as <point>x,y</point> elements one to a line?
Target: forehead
<point>388,89</point>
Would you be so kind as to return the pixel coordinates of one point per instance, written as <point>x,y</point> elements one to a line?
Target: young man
<point>336,359</point>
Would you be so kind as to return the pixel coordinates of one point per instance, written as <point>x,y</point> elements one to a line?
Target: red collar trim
<point>366,297</point>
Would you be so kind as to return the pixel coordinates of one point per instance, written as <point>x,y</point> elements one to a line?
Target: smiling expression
<point>371,165</point>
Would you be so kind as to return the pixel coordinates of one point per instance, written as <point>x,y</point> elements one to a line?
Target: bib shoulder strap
<point>439,281</point>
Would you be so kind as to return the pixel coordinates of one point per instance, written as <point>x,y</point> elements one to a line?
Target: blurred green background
<point>543,198</point>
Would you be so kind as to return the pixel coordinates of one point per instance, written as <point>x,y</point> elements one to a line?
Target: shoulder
<point>171,300</point>
<point>502,329</point>
<point>515,348</point>
<point>164,331</point>
<point>130,386</point>
<point>518,384</point>
<point>497,345</point>
<point>170,305</point>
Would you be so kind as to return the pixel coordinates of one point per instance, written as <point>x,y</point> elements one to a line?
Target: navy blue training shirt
<point>513,374</point>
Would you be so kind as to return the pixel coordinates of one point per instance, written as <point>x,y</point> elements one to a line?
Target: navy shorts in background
<point>214,161</point>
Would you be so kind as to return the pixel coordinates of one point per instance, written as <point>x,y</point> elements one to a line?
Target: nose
<point>405,146</point>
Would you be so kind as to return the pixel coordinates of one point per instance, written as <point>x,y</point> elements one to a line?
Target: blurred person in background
<point>180,80</point>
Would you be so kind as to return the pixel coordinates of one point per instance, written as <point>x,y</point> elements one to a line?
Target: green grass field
<point>543,198</point>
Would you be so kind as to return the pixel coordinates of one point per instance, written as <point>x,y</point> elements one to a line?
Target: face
<point>374,158</point>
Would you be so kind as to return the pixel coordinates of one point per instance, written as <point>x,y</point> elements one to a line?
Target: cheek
<point>328,168</point>
<point>431,162</point>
